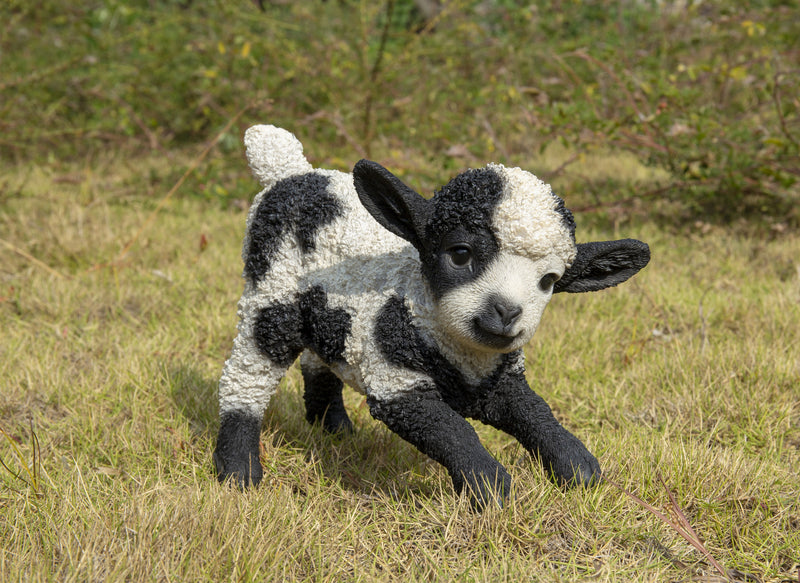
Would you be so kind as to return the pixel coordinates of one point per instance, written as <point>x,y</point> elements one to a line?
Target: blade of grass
<point>33,260</point>
<point>33,471</point>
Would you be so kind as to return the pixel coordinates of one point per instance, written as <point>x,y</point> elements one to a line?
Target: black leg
<point>265,347</point>
<point>323,398</point>
<point>428,423</point>
<point>237,452</point>
<point>514,408</point>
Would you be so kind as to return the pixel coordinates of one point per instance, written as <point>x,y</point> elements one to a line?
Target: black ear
<point>603,264</point>
<point>393,204</point>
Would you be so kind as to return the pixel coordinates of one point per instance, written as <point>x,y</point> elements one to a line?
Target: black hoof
<point>243,475</point>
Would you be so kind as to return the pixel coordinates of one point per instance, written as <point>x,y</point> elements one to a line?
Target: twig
<point>192,167</point>
<point>548,176</point>
<point>487,125</point>
<point>336,121</point>
<point>152,138</point>
<point>703,335</point>
<point>374,73</point>
<point>776,97</point>
<point>42,73</point>
<point>577,81</point>
<point>33,260</point>
<point>598,63</point>
<point>681,524</point>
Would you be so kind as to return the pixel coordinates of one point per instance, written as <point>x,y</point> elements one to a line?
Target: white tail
<point>274,154</point>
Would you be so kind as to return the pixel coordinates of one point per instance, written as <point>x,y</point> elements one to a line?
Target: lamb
<point>423,305</point>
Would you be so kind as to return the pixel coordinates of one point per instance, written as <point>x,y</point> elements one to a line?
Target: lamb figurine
<point>422,305</point>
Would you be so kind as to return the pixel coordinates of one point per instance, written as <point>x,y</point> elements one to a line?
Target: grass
<point>689,372</point>
<point>120,272</point>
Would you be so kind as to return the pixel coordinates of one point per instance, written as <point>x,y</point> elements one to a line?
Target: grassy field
<point>118,290</point>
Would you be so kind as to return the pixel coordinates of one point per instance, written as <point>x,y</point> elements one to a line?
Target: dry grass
<point>689,372</point>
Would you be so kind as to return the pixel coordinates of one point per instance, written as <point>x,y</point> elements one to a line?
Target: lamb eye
<point>546,283</point>
<point>460,255</point>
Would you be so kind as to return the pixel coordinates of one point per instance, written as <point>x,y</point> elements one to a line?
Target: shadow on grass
<point>370,460</point>
<point>195,395</point>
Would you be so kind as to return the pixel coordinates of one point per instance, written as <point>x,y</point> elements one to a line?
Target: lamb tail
<point>274,154</point>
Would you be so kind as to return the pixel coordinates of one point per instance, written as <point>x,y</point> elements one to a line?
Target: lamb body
<point>422,305</point>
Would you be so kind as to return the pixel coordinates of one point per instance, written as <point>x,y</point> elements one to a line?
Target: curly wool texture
<point>273,154</point>
<point>307,228</point>
<point>530,219</point>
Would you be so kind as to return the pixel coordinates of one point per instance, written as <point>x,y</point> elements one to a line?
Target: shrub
<point>705,92</point>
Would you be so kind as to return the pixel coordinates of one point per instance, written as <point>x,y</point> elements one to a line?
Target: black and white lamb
<point>422,305</point>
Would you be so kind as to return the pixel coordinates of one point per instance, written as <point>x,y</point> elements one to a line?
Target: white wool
<point>274,154</point>
<point>526,220</point>
<point>360,265</point>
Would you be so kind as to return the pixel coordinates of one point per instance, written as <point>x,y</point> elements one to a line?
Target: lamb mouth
<point>492,339</point>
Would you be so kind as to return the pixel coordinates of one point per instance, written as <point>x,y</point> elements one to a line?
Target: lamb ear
<point>603,264</point>
<point>393,204</point>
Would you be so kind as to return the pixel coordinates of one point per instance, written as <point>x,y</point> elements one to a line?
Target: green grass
<point>118,296</point>
<point>689,372</point>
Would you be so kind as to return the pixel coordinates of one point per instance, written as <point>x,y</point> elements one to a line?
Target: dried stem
<point>680,524</point>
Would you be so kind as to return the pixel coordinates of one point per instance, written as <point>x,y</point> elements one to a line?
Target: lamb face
<point>492,243</point>
<point>493,263</point>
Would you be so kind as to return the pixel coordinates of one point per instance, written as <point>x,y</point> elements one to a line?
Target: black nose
<point>493,325</point>
<point>508,313</point>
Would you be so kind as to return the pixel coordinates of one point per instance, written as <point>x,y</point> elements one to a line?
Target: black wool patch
<point>468,201</point>
<point>566,216</point>
<point>278,333</point>
<point>403,345</point>
<point>300,205</point>
<point>462,213</point>
<point>236,453</point>
<point>325,330</point>
<point>283,330</point>
<point>323,399</point>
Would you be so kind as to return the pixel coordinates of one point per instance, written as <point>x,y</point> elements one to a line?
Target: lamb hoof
<point>585,475</point>
<point>243,475</point>
<point>579,469</point>
<point>337,424</point>
<point>487,487</point>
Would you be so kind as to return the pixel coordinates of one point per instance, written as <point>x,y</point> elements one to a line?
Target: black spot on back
<point>282,331</point>
<point>300,205</point>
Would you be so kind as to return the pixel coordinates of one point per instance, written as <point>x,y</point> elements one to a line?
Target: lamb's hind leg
<point>267,345</point>
<point>323,395</point>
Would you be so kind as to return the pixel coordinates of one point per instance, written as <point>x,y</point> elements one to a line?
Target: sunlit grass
<point>688,372</point>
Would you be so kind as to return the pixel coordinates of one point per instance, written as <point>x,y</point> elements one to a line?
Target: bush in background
<point>707,92</point>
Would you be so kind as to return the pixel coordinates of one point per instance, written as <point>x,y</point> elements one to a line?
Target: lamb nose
<point>508,314</point>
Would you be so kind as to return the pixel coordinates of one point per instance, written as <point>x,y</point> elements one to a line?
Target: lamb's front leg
<point>424,420</point>
<point>513,407</point>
